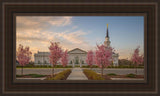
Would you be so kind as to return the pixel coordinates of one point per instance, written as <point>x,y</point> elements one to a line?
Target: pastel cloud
<point>32,31</point>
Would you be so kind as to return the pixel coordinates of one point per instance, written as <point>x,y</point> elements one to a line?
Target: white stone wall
<point>44,56</point>
<point>41,57</point>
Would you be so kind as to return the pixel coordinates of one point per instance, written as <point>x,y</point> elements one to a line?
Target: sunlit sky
<point>84,32</point>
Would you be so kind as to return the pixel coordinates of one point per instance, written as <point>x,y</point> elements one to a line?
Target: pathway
<point>77,74</point>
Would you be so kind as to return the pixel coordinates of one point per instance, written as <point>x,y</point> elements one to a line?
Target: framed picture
<point>95,46</point>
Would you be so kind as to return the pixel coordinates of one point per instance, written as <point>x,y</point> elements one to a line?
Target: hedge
<point>44,66</point>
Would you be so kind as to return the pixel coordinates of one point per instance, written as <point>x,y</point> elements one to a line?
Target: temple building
<point>107,43</point>
<point>77,56</point>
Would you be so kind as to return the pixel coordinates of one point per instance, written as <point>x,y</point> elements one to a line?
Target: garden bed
<point>125,77</point>
<point>91,75</point>
<point>60,76</point>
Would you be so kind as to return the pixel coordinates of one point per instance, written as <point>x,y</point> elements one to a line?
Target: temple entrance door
<point>76,61</point>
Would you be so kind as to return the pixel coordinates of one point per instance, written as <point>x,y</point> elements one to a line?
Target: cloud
<point>35,24</point>
<point>33,31</point>
<point>74,37</point>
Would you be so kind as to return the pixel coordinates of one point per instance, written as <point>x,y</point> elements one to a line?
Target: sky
<point>126,32</point>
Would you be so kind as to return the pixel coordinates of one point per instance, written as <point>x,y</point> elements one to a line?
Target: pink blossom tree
<point>55,54</point>
<point>136,58</point>
<point>64,58</point>
<point>103,57</point>
<point>23,56</point>
<point>90,58</point>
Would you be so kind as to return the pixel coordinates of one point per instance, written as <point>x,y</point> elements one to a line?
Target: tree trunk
<point>52,71</point>
<point>22,71</point>
<point>91,68</point>
<point>102,71</point>
<point>136,69</point>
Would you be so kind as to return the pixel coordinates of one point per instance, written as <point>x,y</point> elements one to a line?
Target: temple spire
<point>107,35</point>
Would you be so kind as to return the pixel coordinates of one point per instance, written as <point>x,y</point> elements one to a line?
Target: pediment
<point>77,51</point>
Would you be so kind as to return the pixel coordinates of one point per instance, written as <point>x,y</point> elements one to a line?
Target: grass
<point>112,74</point>
<point>35,75</point>
<point>32,75</point>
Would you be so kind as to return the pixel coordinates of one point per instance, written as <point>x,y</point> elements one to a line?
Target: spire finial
<point>107,31</point>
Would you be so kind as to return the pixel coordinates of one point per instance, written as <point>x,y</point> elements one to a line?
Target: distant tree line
<point>126,62</point>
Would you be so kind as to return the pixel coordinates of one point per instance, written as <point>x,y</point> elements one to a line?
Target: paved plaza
<point>120,71</point>
<point>77,74</point>
<point>42,71</point>
<point>47,71</point>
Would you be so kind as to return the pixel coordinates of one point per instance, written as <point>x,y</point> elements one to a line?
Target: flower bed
<point>60,76</point>
<point>91,75</point>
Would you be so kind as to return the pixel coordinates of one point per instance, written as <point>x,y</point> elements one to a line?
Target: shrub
<point>125,66</point>
<point>61,76</point>
<point>131,75</point>
<point>111,74</point>
<point>19,75</point>
<point>92,75</point>
<point>87,66</point>
<point>45,66</point>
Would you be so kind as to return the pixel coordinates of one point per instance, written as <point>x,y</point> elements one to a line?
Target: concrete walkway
<point>77,74</point>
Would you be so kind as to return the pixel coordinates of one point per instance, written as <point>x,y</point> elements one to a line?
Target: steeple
<point>107,41</point>
<point>107,35</point>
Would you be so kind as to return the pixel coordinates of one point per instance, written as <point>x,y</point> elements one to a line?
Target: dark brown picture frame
<point>10,86</point>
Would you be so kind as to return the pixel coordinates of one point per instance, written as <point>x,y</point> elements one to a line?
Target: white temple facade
<point>77,57</point>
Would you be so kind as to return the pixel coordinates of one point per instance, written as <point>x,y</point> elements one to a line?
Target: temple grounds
<point>47,71</point>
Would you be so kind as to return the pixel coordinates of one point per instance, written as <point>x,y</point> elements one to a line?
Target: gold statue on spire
<point>107,25</point>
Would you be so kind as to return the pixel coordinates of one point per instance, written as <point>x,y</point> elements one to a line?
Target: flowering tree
<point>55,54</point>
<point>64,59</point>
<point>90,57</point>
<point>136,58</point>
<point>23,56</point>
<point>103,57</point>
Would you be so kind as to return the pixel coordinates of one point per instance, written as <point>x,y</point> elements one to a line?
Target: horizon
<point>83,32</point>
